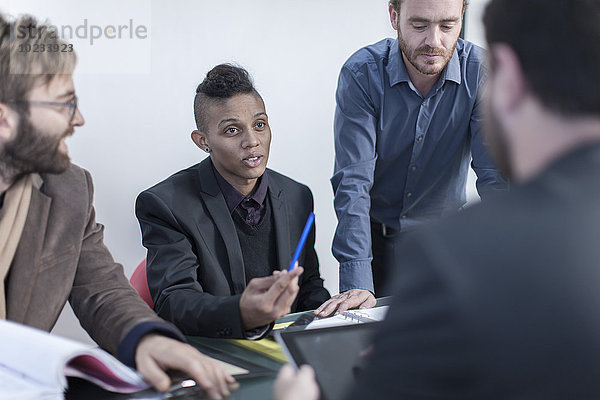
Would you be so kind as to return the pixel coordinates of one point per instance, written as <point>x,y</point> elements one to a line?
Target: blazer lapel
<point>215,203</point>
<point>24,270</point>
<point>281,222</point>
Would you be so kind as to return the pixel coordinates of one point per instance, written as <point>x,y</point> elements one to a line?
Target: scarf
<point>12,220</point>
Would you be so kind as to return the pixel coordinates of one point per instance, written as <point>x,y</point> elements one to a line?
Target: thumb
<point>153,374</point>
<point>287,372</point>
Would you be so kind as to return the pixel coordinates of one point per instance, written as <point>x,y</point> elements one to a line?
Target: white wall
<point>136,94</point>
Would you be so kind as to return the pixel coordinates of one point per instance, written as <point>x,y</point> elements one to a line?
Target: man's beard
<point>31,150</point>
<point>497,143</point>
<point>413,54</point>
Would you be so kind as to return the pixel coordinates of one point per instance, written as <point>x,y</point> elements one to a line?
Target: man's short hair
<point>557,43</point>
<point>221,83</point>
<point>30,53</point>
<point>398,3</point>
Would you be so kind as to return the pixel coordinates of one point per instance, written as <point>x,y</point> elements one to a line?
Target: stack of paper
<point>35,364</point>
<point>351,317</point>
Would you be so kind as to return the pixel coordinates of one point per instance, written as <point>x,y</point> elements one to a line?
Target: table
<point>251,388</point>
<point>256,388</point>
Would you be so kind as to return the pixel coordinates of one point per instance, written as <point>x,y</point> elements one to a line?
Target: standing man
<point>407,122</point>
<point>502,301</point>
<point>220,234</point>
<point>51,247</point>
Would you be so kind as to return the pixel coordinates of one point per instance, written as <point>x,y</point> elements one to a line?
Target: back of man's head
<point>221,83</point>
<point>30,53</point>
<point>556,42</point>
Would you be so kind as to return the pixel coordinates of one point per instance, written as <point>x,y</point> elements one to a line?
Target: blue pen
<point>309,224</point>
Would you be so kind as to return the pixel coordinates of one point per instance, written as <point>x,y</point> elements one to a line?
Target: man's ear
<point>8,122</point>
<point>394,17</point>
<point>199,138</point>
<point>509,86</point>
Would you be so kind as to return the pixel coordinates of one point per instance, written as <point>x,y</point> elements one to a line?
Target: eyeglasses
<point>71,105</point>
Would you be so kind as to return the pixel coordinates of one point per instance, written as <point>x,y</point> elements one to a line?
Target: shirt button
<point>403,217</point>
<point>413,168</point>
<point>424,103</point>
<point>420,138</point>
<point>409,194</point>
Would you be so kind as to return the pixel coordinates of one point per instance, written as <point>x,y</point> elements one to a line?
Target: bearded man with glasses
<point>51,247</point>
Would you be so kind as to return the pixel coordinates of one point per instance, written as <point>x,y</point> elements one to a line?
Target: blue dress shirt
<point>402,158</point>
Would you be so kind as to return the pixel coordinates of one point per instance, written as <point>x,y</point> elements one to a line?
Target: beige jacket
<point>61,256</point>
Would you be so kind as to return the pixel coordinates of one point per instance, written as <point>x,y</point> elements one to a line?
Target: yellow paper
<point>282,325</point>
<point>267,347</point>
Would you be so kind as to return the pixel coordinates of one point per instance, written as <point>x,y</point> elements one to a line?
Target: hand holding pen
<point>268,298</point>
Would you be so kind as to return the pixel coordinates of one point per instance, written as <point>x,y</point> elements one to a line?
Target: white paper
<point>14,386</point>
<point>351,317</point>
<point>42,358</point>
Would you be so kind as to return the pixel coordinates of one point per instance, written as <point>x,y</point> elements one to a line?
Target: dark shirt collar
<point>397,72</point>
<point>233,198</point>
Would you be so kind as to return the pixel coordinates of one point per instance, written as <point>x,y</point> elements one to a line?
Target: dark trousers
<point>384,245</point>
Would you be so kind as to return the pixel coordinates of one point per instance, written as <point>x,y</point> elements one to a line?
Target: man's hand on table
<point>353,298</point>
<point>156,354</point>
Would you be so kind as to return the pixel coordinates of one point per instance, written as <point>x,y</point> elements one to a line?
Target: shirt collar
<point>397,72</point>
<point>233,198</point>
<point>395,67</point>
<point>452,70</point>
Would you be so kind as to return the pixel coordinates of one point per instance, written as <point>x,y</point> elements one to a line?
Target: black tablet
<point>336,354</point>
